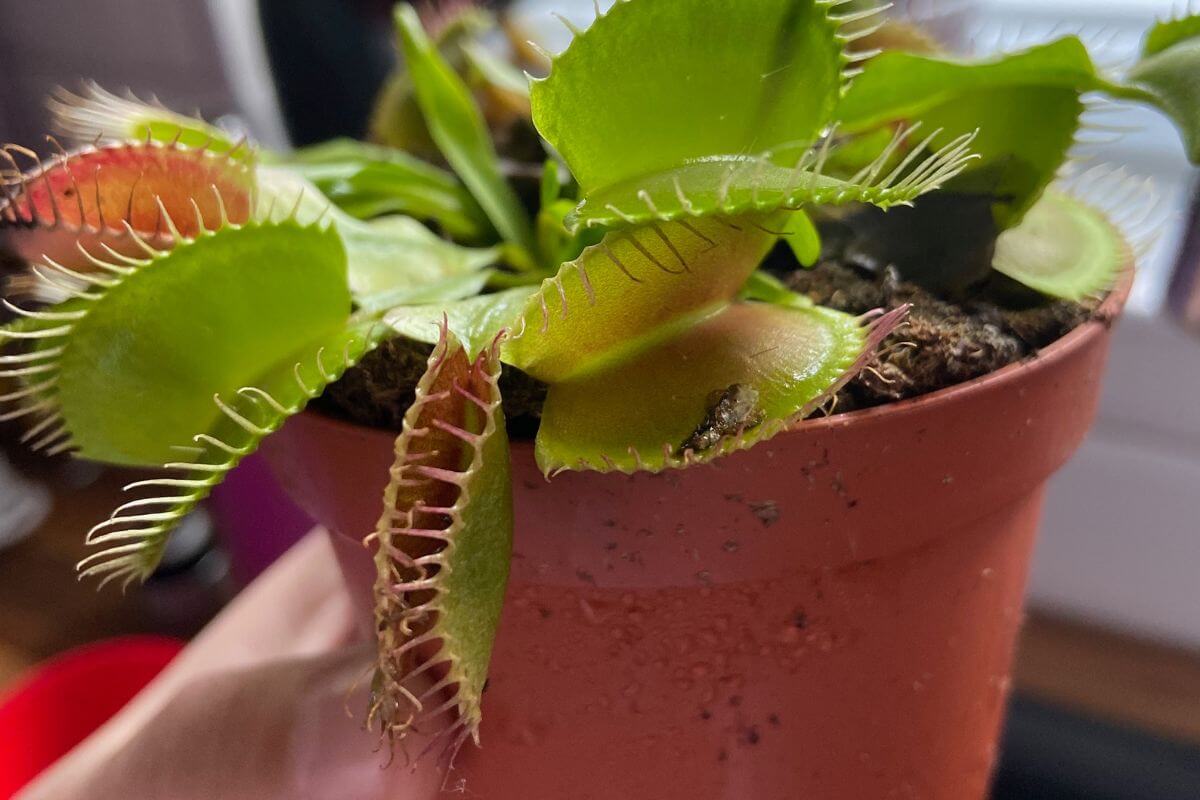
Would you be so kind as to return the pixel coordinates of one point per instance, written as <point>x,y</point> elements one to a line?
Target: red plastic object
<point>62,701</point>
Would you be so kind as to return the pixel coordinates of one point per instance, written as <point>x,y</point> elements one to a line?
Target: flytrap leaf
<point>1167,33</point>
<point>458,128</point>
<point>653,85</point>
<point>110,196</point>
<point>634,289</point>
<point>98,115</point>
<point>444,544</point>
<point>733,185</point>
<point>369,181</point>
<point>29,346</point>
<point>1063,248</point>
<point>725,383</point>
<point>999,98</point>
<point>134,537</point>
<point>653,364</point>
<point>1166,76</point>
<point>136,367</point>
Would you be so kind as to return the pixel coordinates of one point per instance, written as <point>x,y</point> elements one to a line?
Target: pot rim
<point>1106,314</point>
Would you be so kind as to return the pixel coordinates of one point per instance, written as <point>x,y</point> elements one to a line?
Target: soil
<point>943,343</point>
<point>380,389</point>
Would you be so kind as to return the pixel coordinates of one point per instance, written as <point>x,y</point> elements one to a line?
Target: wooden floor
<point>44,610</point>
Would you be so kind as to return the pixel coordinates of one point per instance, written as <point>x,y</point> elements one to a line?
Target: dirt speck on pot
<point>766,511</point>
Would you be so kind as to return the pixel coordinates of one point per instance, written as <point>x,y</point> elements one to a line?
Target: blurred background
<point>1108,682</point>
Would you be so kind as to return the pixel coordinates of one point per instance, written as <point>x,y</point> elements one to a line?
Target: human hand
<point>256,707</point>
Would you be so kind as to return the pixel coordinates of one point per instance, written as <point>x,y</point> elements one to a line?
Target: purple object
<point>255,521</point>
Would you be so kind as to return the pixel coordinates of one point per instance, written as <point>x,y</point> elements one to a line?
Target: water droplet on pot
<point>588,611</point>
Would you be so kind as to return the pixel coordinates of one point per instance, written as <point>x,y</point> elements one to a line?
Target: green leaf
<point>1165,34</point>
<point>396,120</point>
<point>399,253</point>
<point>507,83</point>
<point>134,537</point>
<point>634,289</point>
<point>1025,106</point>
<point>476,321</point>
<point>456,287</point>
<point>460,132</point>
<point>896,85</point>
<point>648,87</point>
<point>643,345</point>
<point>765,287</point>
<point>30,345</point>
<point>369,181</point>
<point>444,548</point>
<point>803,238</point>
<point>100,115</point>
<point>160,337</point>
<point>731,186</point>
<point>725,383</point>
<point>1166,77</point>
<point>389,254</point>
<point>1063,248</point>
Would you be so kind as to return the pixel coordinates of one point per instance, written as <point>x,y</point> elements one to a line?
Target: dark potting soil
<point>380,389</point>
<point>943,343</point>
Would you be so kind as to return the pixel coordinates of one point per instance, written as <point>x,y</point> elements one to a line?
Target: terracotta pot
<point>829,616</point>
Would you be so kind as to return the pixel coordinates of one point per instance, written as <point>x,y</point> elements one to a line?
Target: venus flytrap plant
<point>369,181</point>
<point>206,292</point>
<point>953,97</point>
<point>736,136</point>
<point>119,195</point>
<point>213,356</point>
<point>133,538</point>
<point>97,115</point>
<point>998,96</point>
<point>454,28</point>
<point>652,313</point>
<point>458,129</point>
<point>1164,76</point>
<point>443,547</point>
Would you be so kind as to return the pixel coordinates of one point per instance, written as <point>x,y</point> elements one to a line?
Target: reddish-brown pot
<point>828,616</point>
